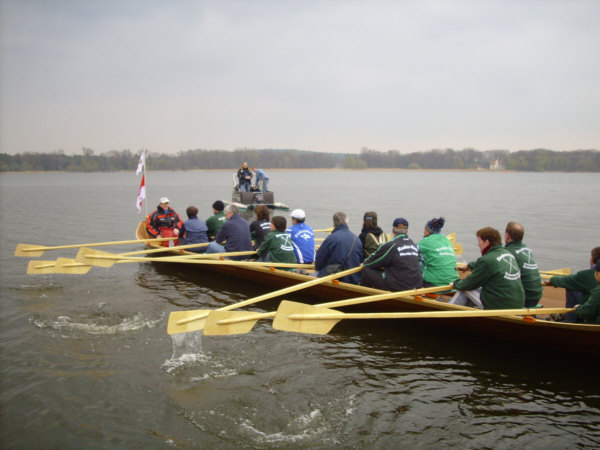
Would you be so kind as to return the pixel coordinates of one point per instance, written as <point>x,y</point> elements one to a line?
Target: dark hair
<point>595,254</point>
<point>279,222</point>
<point>370,219</point>
<point>435,225</point>
<point>516,231</point>
<point>490,234</point>
<point>262,212</point>
<point>218,205</point>
<point>191,211</point>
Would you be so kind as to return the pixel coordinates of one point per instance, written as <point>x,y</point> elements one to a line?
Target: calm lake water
<point>87,362</point>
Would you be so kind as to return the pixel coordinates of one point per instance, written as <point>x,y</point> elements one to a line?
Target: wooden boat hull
<point>582,338</point>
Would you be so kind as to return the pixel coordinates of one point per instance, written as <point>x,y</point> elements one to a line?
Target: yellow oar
<point>97,257</point>
<point>451,237</point>
<point>221,322</point>
<point>559,272</point>
<point>194,320</point>
<point>33,250</point>
<point>303,318</point>
<point>457,246</point>
<point>107,259</point>
<point>324,230</point>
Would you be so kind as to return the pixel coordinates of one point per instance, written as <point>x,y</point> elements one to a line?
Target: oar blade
<point>71,267</point>
<point>29,250</point>
<point>316,326</point>
<point>95,257</point>
<point>37,267</point>
<point>187,321</point>
<point>212,327</point>
<point>458,249</point>
<point>452,237</point>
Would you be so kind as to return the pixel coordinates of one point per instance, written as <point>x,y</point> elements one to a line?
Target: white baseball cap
<point>298,214</point>
<point>164,200</point>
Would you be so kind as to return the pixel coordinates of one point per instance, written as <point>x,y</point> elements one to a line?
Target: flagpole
<point>145,199</point>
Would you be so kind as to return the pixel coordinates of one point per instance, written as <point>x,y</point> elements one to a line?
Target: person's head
<point>191,211</point>
<point>400,226</point>
<point>279,223</point>
<point>164,203</point>
<point>298,216</point>
<point>488,237</point>
<point>230,210</point>
<point>244,165</point>
<point>254,168</point>
<point>262,212</point>
<point>218,206</point>
<point>370,219</point>
<point>595,255</point>
<point>514,232</point>
<point>340,218</point>
<point>434,226</point>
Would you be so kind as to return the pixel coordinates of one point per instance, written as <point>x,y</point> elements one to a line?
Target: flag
<point>140,166</point>
<point>141,194</point>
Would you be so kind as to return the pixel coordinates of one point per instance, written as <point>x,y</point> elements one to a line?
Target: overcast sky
<point>329,75</point>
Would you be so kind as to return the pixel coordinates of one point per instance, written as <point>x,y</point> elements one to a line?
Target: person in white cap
<point>303,237</point>
<point>164,222</point>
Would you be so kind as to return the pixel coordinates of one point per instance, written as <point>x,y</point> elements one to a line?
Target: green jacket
<point>214,224</point>
<point>438,261</point>
<point>278,247</point>
<point>590,310</point>
<point>498,275</point>
<point>583,281</point>
<point>530,274</point>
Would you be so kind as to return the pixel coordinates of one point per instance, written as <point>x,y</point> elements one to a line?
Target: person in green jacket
<point>530,274</point>
<point>589,312</point>
<point>216,221</point>
<point>496,272</point>
<point>438,260</point>
<point>277,246</point>
<point>578,286</point>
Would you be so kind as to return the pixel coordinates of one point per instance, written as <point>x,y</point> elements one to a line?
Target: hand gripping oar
<point>303,318</point>
<point>194,320</point>
<point>221,322</point>
<point>33,250</point>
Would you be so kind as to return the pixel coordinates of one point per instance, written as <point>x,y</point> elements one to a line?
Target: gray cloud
<point>327,75</point>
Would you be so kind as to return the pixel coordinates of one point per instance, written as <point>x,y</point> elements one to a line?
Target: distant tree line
<point>538,160</point>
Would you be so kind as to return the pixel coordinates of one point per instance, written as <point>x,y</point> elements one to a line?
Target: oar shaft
<point>430,314</point>
<point>96,244</point>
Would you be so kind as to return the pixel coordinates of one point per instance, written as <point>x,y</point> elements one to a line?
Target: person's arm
<point>153,232</point>
<point>475,280</point>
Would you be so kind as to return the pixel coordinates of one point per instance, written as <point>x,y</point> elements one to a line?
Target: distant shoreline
<point>291,169</point>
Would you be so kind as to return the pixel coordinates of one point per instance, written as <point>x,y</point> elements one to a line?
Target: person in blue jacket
<point>234,235</point>
<point>262,179</point>
<point>303,237</point>
<point>193,231</point>
<point>341,250</point>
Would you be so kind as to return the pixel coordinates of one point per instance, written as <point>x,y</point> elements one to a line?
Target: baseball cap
<point>298,214</point>
<point>400,221</point>
<point>164,200</point>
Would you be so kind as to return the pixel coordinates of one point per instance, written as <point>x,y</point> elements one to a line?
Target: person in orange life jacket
<point>193,231</point>
<point>164,222</point>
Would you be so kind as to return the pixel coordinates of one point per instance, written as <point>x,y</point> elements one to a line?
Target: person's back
<point>589,311</point>
<point>193,231</point>
<point>303,237</point>
<point>438,260</point>
<point>261,227</point>
<point>216,221</point>
<point>371,235</point>
<point>498,275</point>
<point>235,233</point>
<point>341,247</point>
<point>277,246</point>
<point>394,266</point>
<point>530,274</point>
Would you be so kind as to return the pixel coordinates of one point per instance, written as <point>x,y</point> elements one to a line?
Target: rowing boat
<point>525,330</point>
